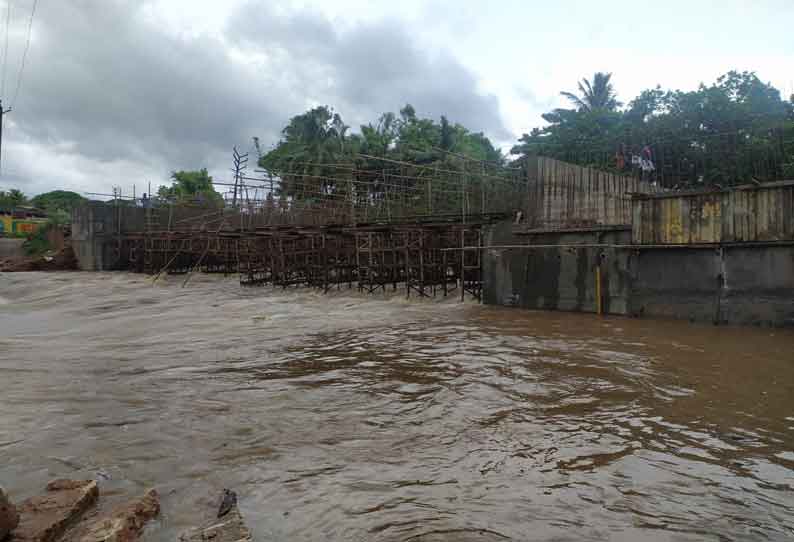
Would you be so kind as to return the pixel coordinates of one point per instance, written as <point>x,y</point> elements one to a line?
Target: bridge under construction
<point>416,227</point>
<point>552,236</point>
<point>428,257</point>
<point>409,226</point>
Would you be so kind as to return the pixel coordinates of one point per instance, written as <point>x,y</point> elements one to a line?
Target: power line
<point>5,49</point>
<point>25,53</point>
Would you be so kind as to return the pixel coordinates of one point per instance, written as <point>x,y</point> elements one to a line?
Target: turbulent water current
<point>349,417</point>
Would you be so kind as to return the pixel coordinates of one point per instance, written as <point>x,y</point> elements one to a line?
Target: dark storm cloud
<point>117,86</point>
<point>371,68</point>
<point>107,83</point>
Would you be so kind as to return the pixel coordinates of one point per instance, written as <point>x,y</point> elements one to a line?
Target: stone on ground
<point>122,524</point>
<point>46,517</point>
<point>228,527</point>
<point>9,518</point>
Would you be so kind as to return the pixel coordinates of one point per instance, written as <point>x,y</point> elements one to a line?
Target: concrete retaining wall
<point>751,285</point>
<point>552,272</point>
<point>740,284</point>
<point>93,226</point>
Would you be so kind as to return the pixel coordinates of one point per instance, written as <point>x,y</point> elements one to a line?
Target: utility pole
<point>2,114</point>
<point>240,163</point>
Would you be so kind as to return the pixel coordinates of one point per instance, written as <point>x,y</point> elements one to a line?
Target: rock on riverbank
<point>225,525</point>
<point>46,517</point>
<point>67,513</point>
<point>9,517</point>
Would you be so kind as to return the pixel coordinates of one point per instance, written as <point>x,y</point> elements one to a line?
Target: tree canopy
<point>598,95</point>
<point>736,130</point>
<point>10,199</point>
<point>191,186</point>
<point>317,150</point>
<point>58,200</point>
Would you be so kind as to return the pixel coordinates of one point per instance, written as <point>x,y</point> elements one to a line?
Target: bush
<point>37,243</point>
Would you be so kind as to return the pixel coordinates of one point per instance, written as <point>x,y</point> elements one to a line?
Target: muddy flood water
<point>347,417</point>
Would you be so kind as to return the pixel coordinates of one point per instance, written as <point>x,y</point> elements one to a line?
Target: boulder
<point>122,524</point>
<point>9,517</point>
<point>46,517</point>
<point>227,525</point>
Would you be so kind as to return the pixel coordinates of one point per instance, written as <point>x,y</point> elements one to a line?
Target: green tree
<point>318,159</point>
<point>600,94</point>
<point>417,138</point>
<point>58,200</point>
<point>311,144</point>
<point>379,139</point>
<point>12,198</point>
<point>732,131</point>
<point>191,186</point>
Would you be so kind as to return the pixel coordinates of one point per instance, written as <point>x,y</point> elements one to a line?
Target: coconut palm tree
<point>12,198</point>
<point>600,94</point>
<point>311,144</point>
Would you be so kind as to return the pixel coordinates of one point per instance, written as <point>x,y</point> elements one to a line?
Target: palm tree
<point>304,159</point>
<point>12,198</point>
<point>600,94</point>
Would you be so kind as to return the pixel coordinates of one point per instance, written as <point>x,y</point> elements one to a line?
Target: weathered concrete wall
<point>93,226</point>
<point>674,283</point>
<point>758,285</point>
<point>745,214</point>
<point>750,284</point>
<point>561,277</point>
<point>746,277</point>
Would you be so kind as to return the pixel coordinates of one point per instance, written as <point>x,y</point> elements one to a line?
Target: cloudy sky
<point>121,92</point>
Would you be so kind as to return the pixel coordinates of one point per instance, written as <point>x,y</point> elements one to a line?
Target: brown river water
<point>348,417</point>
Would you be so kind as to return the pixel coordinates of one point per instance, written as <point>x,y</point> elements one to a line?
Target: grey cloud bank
<point>111,97</point>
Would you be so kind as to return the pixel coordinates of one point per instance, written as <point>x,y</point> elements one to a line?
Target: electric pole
<point>2,114</point>
<point>240,163</point>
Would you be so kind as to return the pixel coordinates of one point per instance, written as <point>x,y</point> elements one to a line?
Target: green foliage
<point>310,145</point>
<point>37,243</point>
<point>316,152</point>
<point>12,198</point>
<point>598,95</point>
<point>56,201</point>
<point>726,133</point>
<point>191,186</point>
<point>59,218</point>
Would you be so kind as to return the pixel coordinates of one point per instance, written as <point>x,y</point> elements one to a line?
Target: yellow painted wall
<point>10,226</point>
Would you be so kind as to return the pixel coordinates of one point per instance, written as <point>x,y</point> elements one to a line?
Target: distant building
<point>21,220</point>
